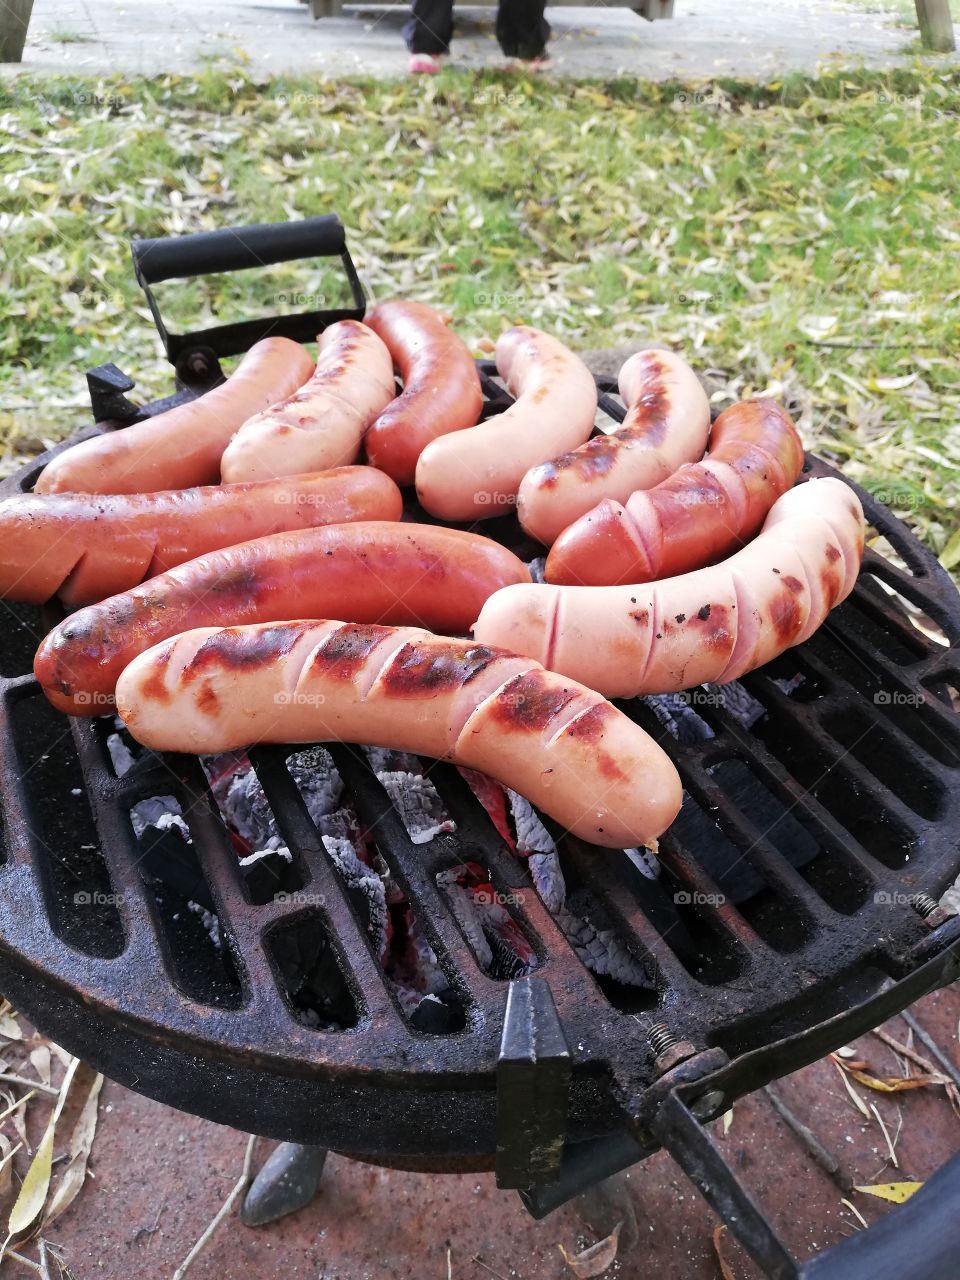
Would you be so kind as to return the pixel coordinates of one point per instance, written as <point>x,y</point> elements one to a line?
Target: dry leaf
<point>33,1190</point>
<point>896,1084</point>
<point>40,1058</point>
<point>81,1142</point>
<point>727,1121</point>
<point>9,1026</point>
<point>595,1260</point>
<point>896,1192</point>
<point>7,1152</point>
<point>857,1100</point>
<point>726,1271</point>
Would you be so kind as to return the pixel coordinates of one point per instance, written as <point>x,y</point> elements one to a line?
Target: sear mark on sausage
<point>420,668</point>
<point>590,727</point>
<point>154,688</point>
<point>833,553</point>
<point>343,653</point>
<point>234,649</point>
<point>529,701</point>
<point>786,615</point>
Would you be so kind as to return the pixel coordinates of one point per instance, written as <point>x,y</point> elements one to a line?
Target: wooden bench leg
<point>654,9</point>
<point>936,25</point>
<point>14,20</point>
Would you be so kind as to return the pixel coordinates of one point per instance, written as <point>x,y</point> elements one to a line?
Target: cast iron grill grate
<point>825,822</point>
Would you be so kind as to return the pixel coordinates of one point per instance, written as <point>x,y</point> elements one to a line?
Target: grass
<point>800,238</point>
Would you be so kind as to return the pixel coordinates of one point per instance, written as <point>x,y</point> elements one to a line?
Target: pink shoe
<point>424,64</point>
<point>532,66</point>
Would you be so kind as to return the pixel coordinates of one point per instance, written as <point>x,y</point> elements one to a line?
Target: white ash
<point>210,922</point>
<point>161,812</point>
<point>358,876</point>
<point>120,754</point>
<point>411,793</point>
<point>645,860</point>
<point>537,567</point>
<point>281,851</point>
<point>246,808</point>
<point>467,913</point>
<point>602,951</point>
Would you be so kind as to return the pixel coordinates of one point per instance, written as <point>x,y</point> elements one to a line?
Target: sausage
<point>711,625</point>
<point>476,474</point>
<point>667,424</point>
<point>84,547</point>
<point>321,424</point>
<point>183,446</point>
<point>558,743</point>
<point>441,386</point>
<point>703,512</point>
<point>375,571</point>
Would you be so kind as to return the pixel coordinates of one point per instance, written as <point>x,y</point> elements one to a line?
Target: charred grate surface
<point>788,890</point>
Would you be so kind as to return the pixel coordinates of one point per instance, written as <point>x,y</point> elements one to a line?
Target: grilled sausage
<point>711,625</point>
<point>182,447</point>
<point>375,572</point>
<point>703,512</point>
<point>667,424</point>
<point>322,424</point>
<point>556,742</point>
<point>476,474</point>
<point>84,547</point>
<point>441,386</point>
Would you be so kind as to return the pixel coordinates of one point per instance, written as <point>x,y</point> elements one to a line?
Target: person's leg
<point>430,27</point>
<point>522,29</point>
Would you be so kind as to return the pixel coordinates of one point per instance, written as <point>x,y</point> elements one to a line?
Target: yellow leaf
<point>896,1192</point>
<point>33,1190</point>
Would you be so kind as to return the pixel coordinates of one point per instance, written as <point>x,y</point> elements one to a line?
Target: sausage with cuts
<point>183,446</point>
<point>83,547</point>
<point>374,571</point>
<point>703,512</point>
<point>711,625</point>
<point>441,386</point>
<point>473,475</point>
<point>554,741</point>
<point>667,423</point>
<point>322,424</point>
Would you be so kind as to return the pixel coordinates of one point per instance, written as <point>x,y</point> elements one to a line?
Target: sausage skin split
<point>441,386</point>
<point>559,744</point>
<point>322,424</point>
<point>667,424</point>
<point>374,571</point>
<point>84,547</point>
<point>712,625</point>
<point>183,446</point>
<point>474,475</point>
<point>703,512</point>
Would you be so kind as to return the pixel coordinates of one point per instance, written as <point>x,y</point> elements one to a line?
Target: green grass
<point>752,227</point>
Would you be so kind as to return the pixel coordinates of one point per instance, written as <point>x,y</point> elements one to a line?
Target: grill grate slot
<point>310,975</point>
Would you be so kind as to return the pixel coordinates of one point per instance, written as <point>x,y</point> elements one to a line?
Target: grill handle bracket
<point>195,355</point>
<point>533,1087</point>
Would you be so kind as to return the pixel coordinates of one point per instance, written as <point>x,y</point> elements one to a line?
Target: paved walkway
<point>706,38</point>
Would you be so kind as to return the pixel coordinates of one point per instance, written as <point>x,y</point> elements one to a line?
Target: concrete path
<point>706,38</point>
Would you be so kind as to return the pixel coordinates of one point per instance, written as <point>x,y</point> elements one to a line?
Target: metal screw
<point>923,904</point>
<point>668,1050</point>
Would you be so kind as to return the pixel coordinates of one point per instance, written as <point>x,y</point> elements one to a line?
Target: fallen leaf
<point>896,1084</point>
<point>7,1152</point>
<point>33,1190</point>
<point>81,1143</point>
<point>896,1192</point>
<point>40,1058</point>
<point>894,384</point>
<point>595,1260</point>
<point>726,1271</point>
<point>857,1100</point>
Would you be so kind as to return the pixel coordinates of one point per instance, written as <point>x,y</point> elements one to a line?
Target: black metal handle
<point>237,248</point>
<point>196,355</point>
<point>919,1239</point>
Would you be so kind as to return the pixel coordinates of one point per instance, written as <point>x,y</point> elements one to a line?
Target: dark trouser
<point>522,30</point>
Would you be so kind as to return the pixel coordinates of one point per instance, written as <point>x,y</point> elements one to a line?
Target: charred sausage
<point>376,572</point>
<point>322,424</point>
<point>711,625</point>
<point>476,474</point>
<point>441,386</point>
<point>703,512</point>
<point>182,447</point>
<point>84,547</point>
<point>556,742</point>
<point>667,423</point>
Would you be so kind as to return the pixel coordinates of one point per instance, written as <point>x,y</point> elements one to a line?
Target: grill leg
<point>288,1180</point>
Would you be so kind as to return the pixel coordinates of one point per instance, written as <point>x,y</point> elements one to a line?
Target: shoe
<point>424,64</point>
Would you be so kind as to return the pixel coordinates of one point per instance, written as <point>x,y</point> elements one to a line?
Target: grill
<point>796,907</point>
